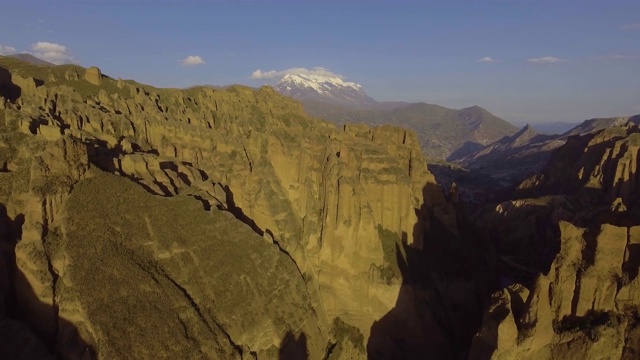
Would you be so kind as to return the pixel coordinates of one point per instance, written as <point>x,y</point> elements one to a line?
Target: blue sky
<point>544,60</point>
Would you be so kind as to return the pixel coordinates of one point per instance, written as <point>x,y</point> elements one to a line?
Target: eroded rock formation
<point>227,221</point>
<point>585,303</point>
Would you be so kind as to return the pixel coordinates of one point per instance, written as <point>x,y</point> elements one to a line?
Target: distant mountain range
<point>512,158</point>
<point>441,131</point>
<point>31,59</point>
<point>554,128</point>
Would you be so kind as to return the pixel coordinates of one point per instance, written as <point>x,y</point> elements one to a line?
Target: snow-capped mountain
<point>325,89</point>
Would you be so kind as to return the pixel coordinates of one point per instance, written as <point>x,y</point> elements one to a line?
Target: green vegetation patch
<point>342,332</point>
<point>391,244</point>
<point>589,324</point>
<point>139,262</point>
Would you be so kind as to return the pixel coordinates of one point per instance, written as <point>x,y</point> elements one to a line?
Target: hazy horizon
<point>527,62</point>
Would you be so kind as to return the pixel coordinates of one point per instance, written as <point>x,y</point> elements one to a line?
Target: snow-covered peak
<point>324,88</point>
<point>319,83</point>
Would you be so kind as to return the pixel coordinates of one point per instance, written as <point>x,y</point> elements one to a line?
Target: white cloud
<point>7,50</point>
<point>630,26</point>
<point>191,60</point>
<point>488,59</point>
<point>53,53</point>
<point>546,60</point>
<point>259,74</point>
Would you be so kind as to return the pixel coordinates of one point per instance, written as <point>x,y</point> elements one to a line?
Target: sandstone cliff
<point>207,223</point>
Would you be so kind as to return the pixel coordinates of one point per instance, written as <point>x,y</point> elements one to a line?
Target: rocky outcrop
<point>236,223</point>
<point>584,305</point>
<point>601,167</point>
<point>93,75</point>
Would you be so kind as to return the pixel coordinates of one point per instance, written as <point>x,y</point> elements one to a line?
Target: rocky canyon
<point>154,223</point>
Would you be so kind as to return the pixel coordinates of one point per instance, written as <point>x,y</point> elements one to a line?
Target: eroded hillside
<point>203,223</point>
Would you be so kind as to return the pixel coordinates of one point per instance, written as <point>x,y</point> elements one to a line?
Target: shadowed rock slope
<point>205,223</point>
<point>571,240</point>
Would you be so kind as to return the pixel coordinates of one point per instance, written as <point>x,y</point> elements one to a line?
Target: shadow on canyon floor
<point>29,328</point>
<point>447,279</point>
<point>475,187</point>
<point>293,347</point>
